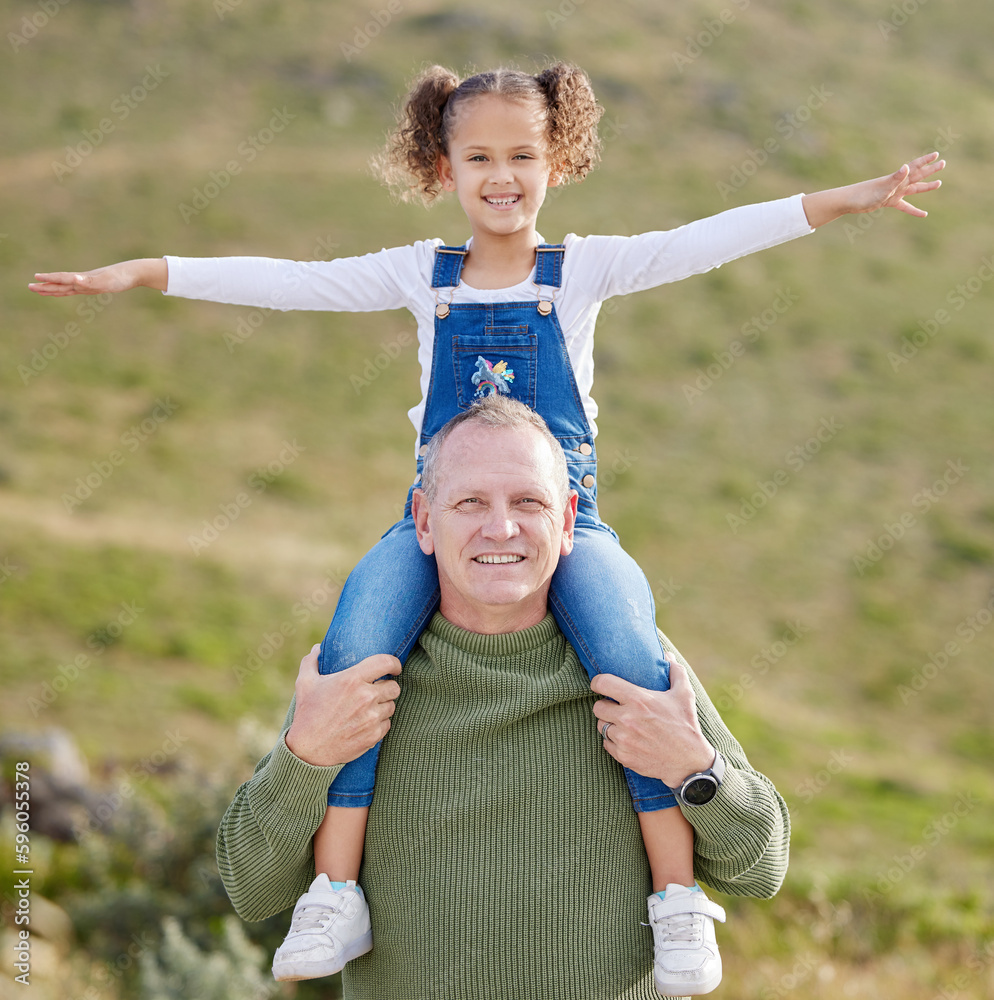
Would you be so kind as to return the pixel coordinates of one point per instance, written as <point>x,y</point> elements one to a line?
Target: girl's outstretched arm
<point>888,191</point>
<point>150,272</point>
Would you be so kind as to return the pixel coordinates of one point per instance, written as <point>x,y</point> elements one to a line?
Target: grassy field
<point>796,447</point>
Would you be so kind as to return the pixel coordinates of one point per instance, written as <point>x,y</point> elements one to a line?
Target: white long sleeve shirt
<point>595,268</point>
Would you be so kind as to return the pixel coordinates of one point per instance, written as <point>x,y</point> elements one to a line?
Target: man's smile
<point>498,559</point>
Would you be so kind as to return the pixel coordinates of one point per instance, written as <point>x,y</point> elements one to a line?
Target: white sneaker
<point>329,928</point>
<point>687,962</point>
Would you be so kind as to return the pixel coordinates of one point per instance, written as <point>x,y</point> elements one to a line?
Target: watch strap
<point>718,767</point>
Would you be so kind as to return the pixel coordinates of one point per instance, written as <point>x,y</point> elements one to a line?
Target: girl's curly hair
<point>409,164</point>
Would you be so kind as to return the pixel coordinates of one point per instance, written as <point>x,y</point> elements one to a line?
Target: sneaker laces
<point>681,928</point>
<point>313,916</point>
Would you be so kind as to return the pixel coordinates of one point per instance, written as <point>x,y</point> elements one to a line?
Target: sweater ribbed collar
<point>504,644</point>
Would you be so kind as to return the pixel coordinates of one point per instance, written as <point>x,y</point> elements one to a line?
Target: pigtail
<point>574,145</point>
<point>409,163</point>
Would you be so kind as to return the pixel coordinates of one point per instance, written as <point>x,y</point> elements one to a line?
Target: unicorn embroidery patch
<point>490,378</point>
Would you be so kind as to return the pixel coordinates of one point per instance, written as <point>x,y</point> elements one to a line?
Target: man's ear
<point>419,513</point>
<point>444,168</point>
<point>569,522</point>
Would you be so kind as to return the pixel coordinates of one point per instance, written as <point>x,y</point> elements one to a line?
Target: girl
<point>503,313</point>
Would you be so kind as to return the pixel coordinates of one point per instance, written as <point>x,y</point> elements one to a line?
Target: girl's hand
<point>889,191</point>
<point>151,272</point>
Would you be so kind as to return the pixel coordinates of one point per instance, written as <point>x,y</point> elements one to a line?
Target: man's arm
<point>741,837</point>
<point>264,842</point>
<point>264,852</point>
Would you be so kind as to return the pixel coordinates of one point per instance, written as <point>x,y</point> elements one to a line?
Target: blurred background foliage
<point>795,447</point>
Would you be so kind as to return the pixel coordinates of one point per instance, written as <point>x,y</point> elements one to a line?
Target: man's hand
<point>150,272</point>
<point>889,191</point>
<point>338,717</point>
<point>654,733</point>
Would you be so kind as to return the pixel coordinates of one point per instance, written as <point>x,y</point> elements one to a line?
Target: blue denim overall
<point>599,597</point>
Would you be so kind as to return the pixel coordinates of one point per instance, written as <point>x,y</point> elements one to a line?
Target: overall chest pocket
<point>503,361</point>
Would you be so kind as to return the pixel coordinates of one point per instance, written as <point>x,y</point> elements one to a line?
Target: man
<point>503,858</point>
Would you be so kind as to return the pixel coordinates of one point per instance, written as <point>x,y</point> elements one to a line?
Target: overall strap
<point>448,266</point>
<point>449,262</point>
<point>549,264</point>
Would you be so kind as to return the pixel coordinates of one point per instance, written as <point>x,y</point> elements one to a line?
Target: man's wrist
<point>690,764</point>
<point>700,787</point>
<point>301,750</point>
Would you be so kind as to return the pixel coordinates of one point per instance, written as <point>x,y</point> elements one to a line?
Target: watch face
<point>700,791</point>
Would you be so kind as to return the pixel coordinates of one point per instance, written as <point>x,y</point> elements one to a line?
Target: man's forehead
<point>477,452</point>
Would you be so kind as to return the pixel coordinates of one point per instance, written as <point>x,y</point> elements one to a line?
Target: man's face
<point>497,527</point>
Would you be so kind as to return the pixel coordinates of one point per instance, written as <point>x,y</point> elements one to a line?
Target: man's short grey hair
<point>496,411</point>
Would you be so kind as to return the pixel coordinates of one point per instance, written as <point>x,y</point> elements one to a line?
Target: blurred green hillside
<point>795,447</point>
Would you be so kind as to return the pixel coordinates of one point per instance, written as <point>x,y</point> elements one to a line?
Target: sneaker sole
<point>685,989</point>
<point>292,971</point>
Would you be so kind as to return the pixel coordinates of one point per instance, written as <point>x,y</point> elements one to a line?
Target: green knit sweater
<point>503,858</point>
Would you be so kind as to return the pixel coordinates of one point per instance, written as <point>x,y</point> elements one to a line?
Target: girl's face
<point>498,164</point>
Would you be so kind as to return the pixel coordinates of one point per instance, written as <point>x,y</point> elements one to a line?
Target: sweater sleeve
<point>742,836</point>
<point>375,281</point>
<point>264,851</point>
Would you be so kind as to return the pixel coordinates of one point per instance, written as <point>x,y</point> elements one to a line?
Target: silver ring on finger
<point>604,735</point>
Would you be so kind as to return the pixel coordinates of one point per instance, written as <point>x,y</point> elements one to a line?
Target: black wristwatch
<point>700,788</point>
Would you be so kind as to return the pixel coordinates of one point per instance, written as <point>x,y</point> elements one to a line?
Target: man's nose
<point>500,524</point>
